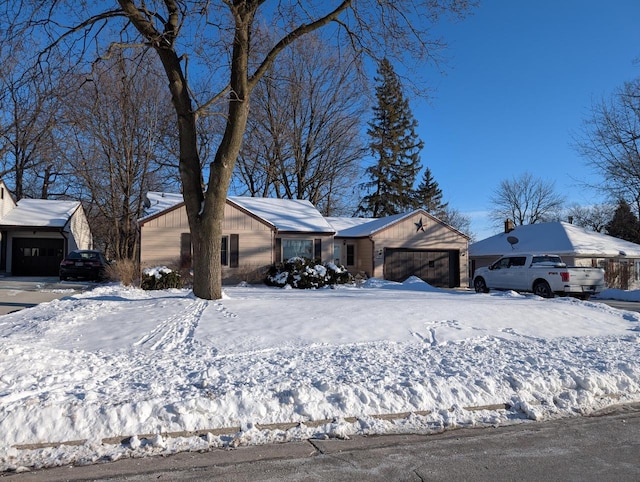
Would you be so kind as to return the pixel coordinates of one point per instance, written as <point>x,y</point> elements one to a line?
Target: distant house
<point>35,234</point>
<point>258,232</point>
<point>396,247</point>
<point>577,247</point>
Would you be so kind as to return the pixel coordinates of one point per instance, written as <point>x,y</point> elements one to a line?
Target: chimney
<point>508,226</point>
<point>570,219</point>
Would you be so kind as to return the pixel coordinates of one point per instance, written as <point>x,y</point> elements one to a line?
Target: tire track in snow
<point>177,331</point>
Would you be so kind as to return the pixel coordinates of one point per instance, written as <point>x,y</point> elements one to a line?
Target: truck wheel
<point>480,285</point>
<point>542,288</point>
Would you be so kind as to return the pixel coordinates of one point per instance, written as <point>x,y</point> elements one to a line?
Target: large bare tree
<point>594,217</point>
<point>29,151</point>
<point>525,199</point>
<point>303,138</point>
<point>115,123</point>
<point>610,142</point>
<point>214,39</point>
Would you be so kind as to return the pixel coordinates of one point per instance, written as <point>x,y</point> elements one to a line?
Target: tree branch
<point>292,37</point>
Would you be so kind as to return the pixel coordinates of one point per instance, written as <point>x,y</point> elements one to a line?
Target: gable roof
<point>40,213</point>
<point>364,227</point>
<point>557,238</point>
<point>157,202</point>
<point>285,215</point>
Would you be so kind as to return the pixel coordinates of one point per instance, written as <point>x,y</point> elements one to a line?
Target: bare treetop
<point>207,53</point>
<point>526,199</point>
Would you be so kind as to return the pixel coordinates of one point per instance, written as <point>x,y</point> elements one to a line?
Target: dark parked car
<point>86,264</point>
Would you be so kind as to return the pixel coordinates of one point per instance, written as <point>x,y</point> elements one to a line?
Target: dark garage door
<point>36,256</point>
<point>438,268</point>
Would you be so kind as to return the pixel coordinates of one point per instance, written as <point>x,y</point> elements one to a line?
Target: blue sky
<point>520,80</point>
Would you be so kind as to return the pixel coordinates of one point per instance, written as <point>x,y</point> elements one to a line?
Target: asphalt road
<point>621,305</point>
<point>597,448</point>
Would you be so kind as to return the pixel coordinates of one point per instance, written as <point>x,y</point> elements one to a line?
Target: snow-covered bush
<point>304,274</point>
<point>160,278</point>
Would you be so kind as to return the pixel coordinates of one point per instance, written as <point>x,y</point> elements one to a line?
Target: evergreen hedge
<point>303,273</point>
<point>160,278</point>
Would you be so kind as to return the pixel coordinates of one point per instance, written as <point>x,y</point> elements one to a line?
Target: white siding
<point>80,231</point>
<point>6,201</point>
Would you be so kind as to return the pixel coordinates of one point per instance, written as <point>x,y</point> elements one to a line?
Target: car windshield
<point>83,255</point>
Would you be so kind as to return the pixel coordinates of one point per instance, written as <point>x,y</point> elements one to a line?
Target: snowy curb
<point>284,426</point>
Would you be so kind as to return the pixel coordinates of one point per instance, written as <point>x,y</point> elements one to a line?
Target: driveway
<point>17,293</point>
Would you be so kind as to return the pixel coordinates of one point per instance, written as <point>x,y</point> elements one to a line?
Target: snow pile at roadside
<point>617,294</point>
<point>120,363</point>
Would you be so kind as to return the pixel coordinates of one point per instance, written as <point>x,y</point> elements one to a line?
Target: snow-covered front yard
<point>106,367</point>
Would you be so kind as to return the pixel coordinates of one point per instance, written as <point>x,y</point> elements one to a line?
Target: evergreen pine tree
<point>624,224</point>
<point>395,146</point>
<point>429,196</point>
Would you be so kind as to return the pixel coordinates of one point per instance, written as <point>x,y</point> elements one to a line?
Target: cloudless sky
<point>520,79</point>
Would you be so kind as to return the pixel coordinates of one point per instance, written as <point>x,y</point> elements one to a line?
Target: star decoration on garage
<point>419,226</point>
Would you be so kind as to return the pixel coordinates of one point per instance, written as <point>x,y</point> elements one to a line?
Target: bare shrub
<point>126,271</point>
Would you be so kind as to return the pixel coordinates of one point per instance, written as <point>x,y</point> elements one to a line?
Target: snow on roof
<point>40,212</point>
<point>361,227</point>
<point>557,238</point>
<point>160,201</point>
<point>343,224</point>
<point>296,215</point>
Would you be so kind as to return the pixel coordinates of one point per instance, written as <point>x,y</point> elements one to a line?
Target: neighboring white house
<point>258,232</point>
<point>576,245</point>
<point>36,234</point>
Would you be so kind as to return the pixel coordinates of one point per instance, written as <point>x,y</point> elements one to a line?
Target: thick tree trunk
<point>207,270</point>
<point>205,211</point>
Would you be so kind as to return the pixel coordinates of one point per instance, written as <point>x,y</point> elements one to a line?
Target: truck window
<point>547,260</point>
<point>501,263</point>
<point>518,261</point>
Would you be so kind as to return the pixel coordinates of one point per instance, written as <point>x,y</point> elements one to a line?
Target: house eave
<point>319,233</point>
<point>22,227</point>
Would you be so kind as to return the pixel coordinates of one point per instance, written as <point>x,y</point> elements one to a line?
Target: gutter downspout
<point>373,257</point>
<point>64,236</point>
<point>274,256</point>
<point>66,242</point>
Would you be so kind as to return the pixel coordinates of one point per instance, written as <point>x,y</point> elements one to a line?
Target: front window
<point>297,248</point>
<point>351,255</point>
<point>224,251</point>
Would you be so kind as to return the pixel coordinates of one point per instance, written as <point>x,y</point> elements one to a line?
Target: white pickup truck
<point>542,274</point>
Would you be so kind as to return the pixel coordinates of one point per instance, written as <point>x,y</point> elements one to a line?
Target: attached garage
<point>404,245</point>
<point>438,268</point>
<point>36,256</point>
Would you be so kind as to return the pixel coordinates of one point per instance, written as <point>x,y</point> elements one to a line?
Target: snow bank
<point>271,365</point>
